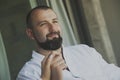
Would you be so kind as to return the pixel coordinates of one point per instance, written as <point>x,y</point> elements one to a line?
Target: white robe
<point>84,63</point>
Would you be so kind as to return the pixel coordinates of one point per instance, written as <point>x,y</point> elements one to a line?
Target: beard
<point>53,44</point>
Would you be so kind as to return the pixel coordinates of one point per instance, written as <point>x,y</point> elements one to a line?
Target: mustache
<point>53,33</point>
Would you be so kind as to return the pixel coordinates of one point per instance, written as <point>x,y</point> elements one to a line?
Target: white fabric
<point>84,63</point>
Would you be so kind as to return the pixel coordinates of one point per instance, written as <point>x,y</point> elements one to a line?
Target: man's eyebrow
<point>42,21</point>
<point>55,19</point>
<point>39,22</point>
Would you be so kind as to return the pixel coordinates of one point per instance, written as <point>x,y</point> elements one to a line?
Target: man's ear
<point>29,33</point>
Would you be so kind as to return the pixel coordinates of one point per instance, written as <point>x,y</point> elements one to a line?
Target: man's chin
<point>53,44</point>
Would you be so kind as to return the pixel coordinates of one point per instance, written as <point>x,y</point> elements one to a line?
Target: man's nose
<point>52,27</point>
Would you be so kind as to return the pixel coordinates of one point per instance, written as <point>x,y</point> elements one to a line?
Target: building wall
<point>111,12</point>
<point>98,29</point>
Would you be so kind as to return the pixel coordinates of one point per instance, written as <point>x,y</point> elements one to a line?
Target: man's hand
<point>46,70</point>
<point>58,64</point>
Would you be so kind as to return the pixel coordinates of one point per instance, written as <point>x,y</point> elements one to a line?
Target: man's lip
<point>52,35</point>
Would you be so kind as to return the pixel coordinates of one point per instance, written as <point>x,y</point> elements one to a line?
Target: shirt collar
<point>37,56</point>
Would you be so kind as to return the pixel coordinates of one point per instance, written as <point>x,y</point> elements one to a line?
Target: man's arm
<point>111,71</point>
<point>46,70</point>
<point>57,66</point>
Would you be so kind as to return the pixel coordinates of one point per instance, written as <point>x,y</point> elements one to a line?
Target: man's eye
<point>55,21</point>
<point>42,24</point>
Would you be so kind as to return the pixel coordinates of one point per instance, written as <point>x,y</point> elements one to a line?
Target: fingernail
<point>51,56</point>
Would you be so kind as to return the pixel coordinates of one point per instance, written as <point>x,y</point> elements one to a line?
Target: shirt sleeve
<point>29,72</point>
<point>111,71</point>
<point>26,75</point>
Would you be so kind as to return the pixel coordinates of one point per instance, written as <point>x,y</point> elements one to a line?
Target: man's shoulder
<point>79,49</point>
<point>78,46</point>
<point>29,68</point>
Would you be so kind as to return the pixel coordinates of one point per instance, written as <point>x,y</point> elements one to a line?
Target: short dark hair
<point>28,17</point>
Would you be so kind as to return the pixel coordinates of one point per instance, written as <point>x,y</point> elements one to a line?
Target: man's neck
<point>47,52</point>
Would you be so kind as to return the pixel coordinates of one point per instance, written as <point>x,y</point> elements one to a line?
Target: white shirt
<point>84,63</point>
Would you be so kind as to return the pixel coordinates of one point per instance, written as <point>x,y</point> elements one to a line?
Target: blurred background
<point>92,22</point>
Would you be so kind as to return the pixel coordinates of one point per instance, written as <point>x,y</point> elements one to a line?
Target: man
<point>52,61</point>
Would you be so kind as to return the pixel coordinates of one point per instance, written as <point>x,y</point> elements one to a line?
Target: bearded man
<point>52,61</point>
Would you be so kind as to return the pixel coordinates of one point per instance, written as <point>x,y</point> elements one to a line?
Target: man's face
<point>46,29</point>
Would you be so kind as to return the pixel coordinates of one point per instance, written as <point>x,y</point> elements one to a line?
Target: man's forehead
<point>42,15</point>
<point>43,12</point>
